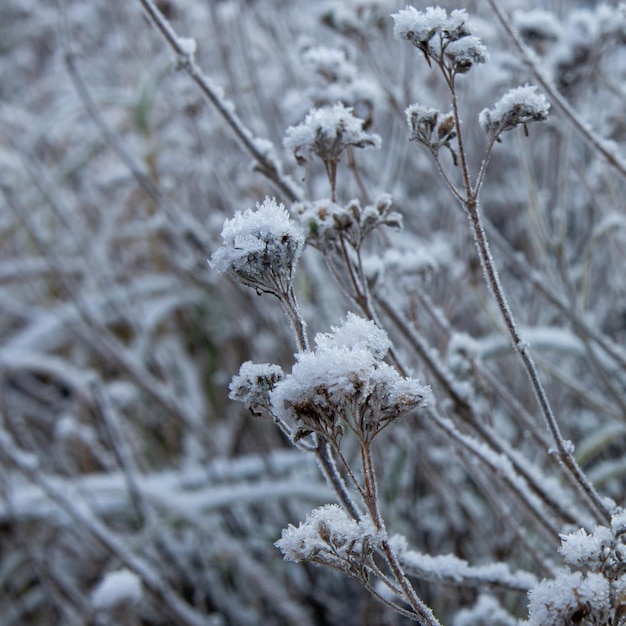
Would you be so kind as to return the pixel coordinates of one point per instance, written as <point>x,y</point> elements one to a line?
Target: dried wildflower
<point>261,248</point>
<point>327,222</point>
<point>345,381</point>
<point>446,39</point>
<point>570,598</point>
<point>327,132</point>
<point>330,64</point>
<point>518,106</point>
<point>330,537</point>
<point>465,52</point>
<point>431,128</point>
<point>253,384</point>
<point>538,27</point>
<point>355,18</point>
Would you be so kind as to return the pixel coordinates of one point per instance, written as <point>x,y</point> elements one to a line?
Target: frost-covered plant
<point>592,594</point>
<point>447,40</point>
<point>330,537</point>
<point>253,384</point>
<point>345,381</point>
<point>328,224</point>
<point>326,133</point>
<point>133,492</point>
<point>519,106</point>
<point>261,248</point>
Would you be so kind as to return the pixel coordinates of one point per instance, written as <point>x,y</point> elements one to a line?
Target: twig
<point>267,166</point>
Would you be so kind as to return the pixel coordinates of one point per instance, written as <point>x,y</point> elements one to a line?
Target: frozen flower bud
<point>253,384</point>
<point>446,39</point>
<point>518,106</point>
<point>327,132</point>
<point>330,537</point>
<point>358,19</point>
<point>584,550</point>
<point>431,128</point>
<point>261,248</point>
<point>463,53</point>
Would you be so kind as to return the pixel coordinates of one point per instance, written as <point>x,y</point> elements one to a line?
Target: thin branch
<point>266,165</point>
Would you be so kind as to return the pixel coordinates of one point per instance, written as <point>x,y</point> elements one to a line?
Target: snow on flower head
<point>518,106</point>
<point>446,39</point>
<point>253,384</point>
<point>355,332</point>
<point>584,550</point>
<point>261,248</point>
<point>345,381</point>
<point>326,132</point>
<point>537,26</point>
<point>331,64</point>
<point>570,596</point>
<point>329,536</point>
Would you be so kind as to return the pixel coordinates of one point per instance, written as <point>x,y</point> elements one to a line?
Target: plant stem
<point>371,500</point>
<point>471,205</point>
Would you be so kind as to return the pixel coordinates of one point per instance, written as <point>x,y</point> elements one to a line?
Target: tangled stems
<point>564,449</point>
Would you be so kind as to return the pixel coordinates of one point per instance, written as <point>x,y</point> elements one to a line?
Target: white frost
<point>119,587</point>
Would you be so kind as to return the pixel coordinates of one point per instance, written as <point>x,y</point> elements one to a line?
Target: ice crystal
<point>518,106</point>
<point>582,549</point>
<point>355,332</point>
<point>261,248</point>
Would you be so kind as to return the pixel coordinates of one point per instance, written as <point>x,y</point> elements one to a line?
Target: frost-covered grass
<point>312,313</point>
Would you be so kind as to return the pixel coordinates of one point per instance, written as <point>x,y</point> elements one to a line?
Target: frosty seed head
<point>253,385</point>
<point>326,133</point>
<point>327,222</point>
<point>430,127</point>
<point>446,39</point>
<point>519,106</point>
<point>571,597</point>
<point>345,381</point>
<point>330,537</point>
<point>261,248</point>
